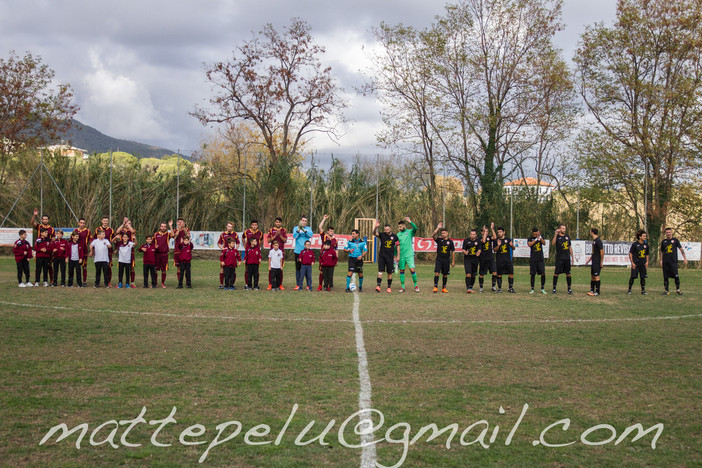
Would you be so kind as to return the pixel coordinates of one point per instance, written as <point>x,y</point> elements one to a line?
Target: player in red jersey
<point>109,235</point>
<point>222,243</point>
<point>179,234</point>
<point>161,239</point>
<point>251,233</point>
<point>84,238</point>
<point>327,235</point>
<point>277,233</point>
<point>126,227</point>
<point>44,226</point>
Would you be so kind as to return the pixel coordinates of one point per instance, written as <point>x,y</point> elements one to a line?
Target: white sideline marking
<point>371,321</point>
<point>368,455</point>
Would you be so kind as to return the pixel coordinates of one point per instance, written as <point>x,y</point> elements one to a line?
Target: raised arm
<point>321,223</point>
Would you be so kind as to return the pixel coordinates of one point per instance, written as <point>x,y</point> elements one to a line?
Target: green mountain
<point>87,138</point>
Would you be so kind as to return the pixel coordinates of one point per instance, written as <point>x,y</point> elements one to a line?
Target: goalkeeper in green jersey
<point>405,235</point>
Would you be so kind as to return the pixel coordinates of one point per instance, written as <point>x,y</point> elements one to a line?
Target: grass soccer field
<point>257,378</point>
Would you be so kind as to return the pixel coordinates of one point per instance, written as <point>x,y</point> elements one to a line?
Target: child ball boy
<point>42,247</point>
<point>76,257</point>
<point>328,260</point>
<point>229,260</point>
<point>275,266</point>
<point>253,260</point>
<point>59,253</point>
<point>22,250</point>
<point>100,248</point>
<point>306,262</point>
<point>124,255</point>
<point>185,257</point>
<point>149,250</point>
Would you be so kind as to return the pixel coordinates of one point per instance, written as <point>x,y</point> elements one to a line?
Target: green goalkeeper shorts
<point>406,262</point>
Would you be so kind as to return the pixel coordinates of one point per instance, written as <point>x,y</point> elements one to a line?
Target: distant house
<point>543,188</point>
<point>68,151</point>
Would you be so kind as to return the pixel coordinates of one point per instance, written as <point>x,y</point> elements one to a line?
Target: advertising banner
<point>8,236</point>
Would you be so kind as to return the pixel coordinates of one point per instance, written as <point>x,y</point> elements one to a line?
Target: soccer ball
<point>352,287</point>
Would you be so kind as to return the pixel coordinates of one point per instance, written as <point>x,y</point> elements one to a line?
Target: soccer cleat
<point>119,285</point>
<point>233,288</point>
<point>221,286</point>
<point>679,292</point>
<point>665,293</point>
<point>499,291</point>
<point>132,285</point>
<point>109,285</point>
<point>416,289</point>
<point>401,290</point>
<point>570,291</point>
<point>470,291</point>
<point>543,291</point>
<point>255,289</point>
<point>46,285</point>
<point>511,290</point>
<point>444,290</point>
<point>270,286</point>
<point>246,287</point>
<point>590,293</point>
<point>531,292</point>
<point>481,290</point>
<point>281,288</point>
<point>297,288</point>
<point>36,285</point>
<point>348,289</point>
<point>554,292</point>
<point>319,288</point>
<point>629,291</point>
<point>377,289</point>
<point>163,285</point>
<point>390,290</point>
<point>435,290</point>
<point>643,292</point>
<point>180,286</point>
<point>494,289</point>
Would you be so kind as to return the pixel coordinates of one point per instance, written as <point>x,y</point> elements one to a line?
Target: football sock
<point>443,281</point>
<point>597,285</point>
<point>569,281</point>
<point>348,282</point>
<point>499,282</point>
<point>494,280</point>
<point>414,279</point>
<point>436,281</point>
<point>389,283</point>
<point>480,282</point>
<point>511,282</point>
<point>533,277</point>
<point>592,285</point>
<point>360,282</point>
<point>472,281</point>
<point>677,283</point>
<point>555,281</point>
<point>643,283</point>
<point>468,282</point>
<point>402,280</point>
<point>631,282</point>
<point>379,281</point>
<point>543,281</point>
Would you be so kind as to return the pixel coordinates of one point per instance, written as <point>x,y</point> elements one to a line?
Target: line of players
<point>489,253</point>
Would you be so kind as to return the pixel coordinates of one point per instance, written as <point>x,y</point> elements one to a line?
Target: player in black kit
<point>564,256</point>
<point>487,257</point>
<point>471,260</point>
<point>386,253</point>
<point>597,259</point>
<point>536,259</point>
<point>445,257</point>
<point>638,256</point>
<point>504,260</point>
<point>669,260</point>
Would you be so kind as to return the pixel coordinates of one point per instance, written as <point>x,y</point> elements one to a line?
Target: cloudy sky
<point>137,66</point>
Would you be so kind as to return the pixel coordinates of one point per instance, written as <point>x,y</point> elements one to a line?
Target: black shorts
<point>471,265</point>
<point>386,264</point>
<point>670,270</point>
<point>595,269</point>
<point>505,268</point>
<point>487,265</point>
<point>356,265</point>
<point>639,270</point>
<point>442,265</point>
<point>562,266</point>
<point>537,267</point>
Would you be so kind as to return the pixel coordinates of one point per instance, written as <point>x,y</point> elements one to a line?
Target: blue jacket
<point>301,236</point>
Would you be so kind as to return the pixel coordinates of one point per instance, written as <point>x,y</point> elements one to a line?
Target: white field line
<point>368,456</point>
<point>341,320</point>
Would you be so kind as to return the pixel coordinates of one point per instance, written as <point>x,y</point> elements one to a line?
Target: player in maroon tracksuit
<point>179,234</point>
<point>185,256</point>
<point>161,239</point>
<point>44,226</point>
<point>42,247</point>
<point>84,237</point>
<point>327,235</point>
<point>22,251</point>
<point>328,260</point>
<point>250,234</point>
<point>149,250</point>
<point>277,233</point>
<point>76,254</point>
<point>223,242</point>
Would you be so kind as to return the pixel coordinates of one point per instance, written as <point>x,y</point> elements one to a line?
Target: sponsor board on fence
<point>8,236</point>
